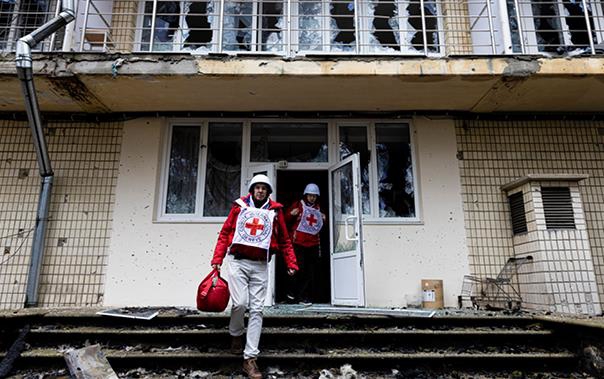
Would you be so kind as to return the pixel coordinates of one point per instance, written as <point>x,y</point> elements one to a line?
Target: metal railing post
<point>153,16</point>
<point>220,25</point>
<point>357,27</point>
<point>289,29</point>
<point>83,35</point>
<point>491,29</point>
<point>520,32</point>
<point>424,33</point>
<point>588,24</point>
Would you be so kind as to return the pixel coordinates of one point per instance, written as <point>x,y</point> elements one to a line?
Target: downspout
<point>25,74</point>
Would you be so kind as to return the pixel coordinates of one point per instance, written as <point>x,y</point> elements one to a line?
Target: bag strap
<point>214,275</point>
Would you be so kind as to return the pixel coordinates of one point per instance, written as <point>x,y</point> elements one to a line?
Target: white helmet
<point>312,189</point>
<point>260,178</point>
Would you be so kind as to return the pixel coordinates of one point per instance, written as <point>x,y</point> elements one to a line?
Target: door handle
<point>348,238</point>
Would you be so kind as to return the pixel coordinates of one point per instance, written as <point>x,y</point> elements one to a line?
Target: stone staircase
<point>298,343</point>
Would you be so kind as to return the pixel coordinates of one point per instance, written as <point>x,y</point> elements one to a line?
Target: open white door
<point>346,248</point>
<point>269,170</point>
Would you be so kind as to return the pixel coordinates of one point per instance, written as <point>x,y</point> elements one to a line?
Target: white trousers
<point>247,284</point>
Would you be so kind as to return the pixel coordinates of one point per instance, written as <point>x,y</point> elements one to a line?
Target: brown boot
<point>237,344</point>
<point>251,368</point>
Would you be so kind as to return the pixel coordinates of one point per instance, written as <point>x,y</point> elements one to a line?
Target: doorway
<point>290,186</point>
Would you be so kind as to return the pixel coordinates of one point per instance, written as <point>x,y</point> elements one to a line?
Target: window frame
<point>333,138</point>
<point>373,217</point>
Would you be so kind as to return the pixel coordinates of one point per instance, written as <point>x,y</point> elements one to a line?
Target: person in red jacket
<point>305,221</point>
<point>254,229</point>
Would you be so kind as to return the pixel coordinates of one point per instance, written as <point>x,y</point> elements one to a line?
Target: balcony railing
<point>327,27</point>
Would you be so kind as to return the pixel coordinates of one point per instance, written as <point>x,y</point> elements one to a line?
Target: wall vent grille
<point>558,208</point>
<point>518,213</point>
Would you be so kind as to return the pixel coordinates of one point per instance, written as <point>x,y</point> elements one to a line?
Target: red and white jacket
<point>280,240</point>
<point>300,238</point>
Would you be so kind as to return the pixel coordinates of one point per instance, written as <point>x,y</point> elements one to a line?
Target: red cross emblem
<point>254,226</point>
<point>312,220</point>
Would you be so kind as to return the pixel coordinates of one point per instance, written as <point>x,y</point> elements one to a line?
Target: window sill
<point>392,221</point>
<point>205,220</point>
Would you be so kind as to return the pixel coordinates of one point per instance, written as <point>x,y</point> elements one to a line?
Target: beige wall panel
<point>398,256</point>
<point>151,263</point>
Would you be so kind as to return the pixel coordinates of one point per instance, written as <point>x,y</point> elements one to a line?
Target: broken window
<point>554,26</point>
<point>353,139</point>
<point>293,142</point>
<point>343,33</point>
<point>397,26</point>
<point>387,178</point>
<point>220,166</point>
<point>223,168</point>
<point>182,171</point>
<point>253,25</point>
<point>394,170</point>
<point>179,25</point>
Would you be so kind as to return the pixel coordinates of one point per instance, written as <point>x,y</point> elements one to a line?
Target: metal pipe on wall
<point>25,73</point>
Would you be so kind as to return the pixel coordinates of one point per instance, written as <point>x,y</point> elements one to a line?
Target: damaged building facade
<point>447,137</point>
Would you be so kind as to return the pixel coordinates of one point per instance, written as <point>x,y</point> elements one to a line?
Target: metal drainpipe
<point>25,74</point>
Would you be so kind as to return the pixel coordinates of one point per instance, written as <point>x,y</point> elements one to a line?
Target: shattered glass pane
<point>272,25</point>
<point>577,25</point>
<point>311,36</point>
<point>343,207</point>
<point>197,28</point>
<point>166,24</point>
<point>384,34</point>
<point>353,139</point>
<point>182,172</point>
<point>431,21</point>
<point>293,142</point>
<point>237,24</point>
<point>396,189</point>
<point>223,168</point>
<point>547,25</point>
<point>343,35</point>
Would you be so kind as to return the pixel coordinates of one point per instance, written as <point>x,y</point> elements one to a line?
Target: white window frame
<point>333,138</point>
<point>373,217</point>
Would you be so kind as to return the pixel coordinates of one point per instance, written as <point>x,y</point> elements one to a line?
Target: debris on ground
<point>89,363</point>
<point>136,313</point>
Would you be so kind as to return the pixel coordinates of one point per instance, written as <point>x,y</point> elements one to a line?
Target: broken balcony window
<point>343,33</point>
<point>182,171</point>
<point>547,25</point>
<point>223,168</point>
<point>577,25</point>
<point>514,30</point>
<point>397,26</point>
<point>253,26</point>
<point>394,171</point>
<point>167,23</point>
<point>310,18</point>
<point>197,28</point>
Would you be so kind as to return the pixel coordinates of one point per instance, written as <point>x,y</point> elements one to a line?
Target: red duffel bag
<point>213,293</point>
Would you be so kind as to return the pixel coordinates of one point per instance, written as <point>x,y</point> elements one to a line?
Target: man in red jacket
<point>254,229</point>
<point>305,220</point>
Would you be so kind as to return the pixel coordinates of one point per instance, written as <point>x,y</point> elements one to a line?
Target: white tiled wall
<point>85,158</point>
<point>493,153</point>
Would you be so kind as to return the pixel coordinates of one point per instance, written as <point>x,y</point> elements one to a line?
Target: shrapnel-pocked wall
<point>85,159</point>
<point>493,153</point>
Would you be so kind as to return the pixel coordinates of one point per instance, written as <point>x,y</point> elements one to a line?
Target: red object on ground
<point>213,293</point>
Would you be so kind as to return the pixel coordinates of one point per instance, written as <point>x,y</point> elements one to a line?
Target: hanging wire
<point>23,235</point>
